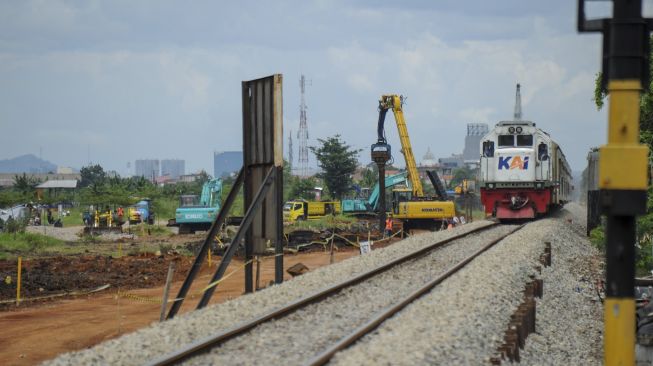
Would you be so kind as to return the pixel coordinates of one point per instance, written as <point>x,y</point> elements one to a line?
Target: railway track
<point>338,311</point>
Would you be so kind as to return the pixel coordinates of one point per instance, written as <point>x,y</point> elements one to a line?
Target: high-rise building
<point>174,168</point>
<point>227,162</point>
<point>147,168</point>
<point>475,132</point>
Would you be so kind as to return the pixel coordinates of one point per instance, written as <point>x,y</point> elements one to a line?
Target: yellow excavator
<point>410,205</point>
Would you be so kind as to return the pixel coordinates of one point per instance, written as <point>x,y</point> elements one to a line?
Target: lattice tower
<point>290,156</point>
<point>302,134</point>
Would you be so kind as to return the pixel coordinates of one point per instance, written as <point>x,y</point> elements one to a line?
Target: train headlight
<point>511,130</point>
<point>519,129</point>
<point>490,185</point>
<point>538,185</point>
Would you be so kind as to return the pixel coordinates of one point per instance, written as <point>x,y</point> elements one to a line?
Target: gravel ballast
<point>570,314</point>
<point>294,339</point>
<point>158,339</point>
<point>463,320</point>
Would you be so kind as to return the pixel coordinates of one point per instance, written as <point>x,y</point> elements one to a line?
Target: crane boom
<point>395,102</point>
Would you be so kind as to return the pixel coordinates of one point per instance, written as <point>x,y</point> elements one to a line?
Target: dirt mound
<point>46,276</point>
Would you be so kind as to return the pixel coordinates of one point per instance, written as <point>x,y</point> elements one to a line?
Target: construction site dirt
<point>39,330</point>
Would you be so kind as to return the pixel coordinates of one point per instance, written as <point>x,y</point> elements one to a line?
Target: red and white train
<point>523,172</point>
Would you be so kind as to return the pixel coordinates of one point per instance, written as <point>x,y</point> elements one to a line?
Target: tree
<point>25,184</point>
<point>645,222</point>
<point>92,175</point>
<point>459,175</point>
<point>370,176</point>
<point>303,188</point>
<point>203,177</point>
<point>338,162</point>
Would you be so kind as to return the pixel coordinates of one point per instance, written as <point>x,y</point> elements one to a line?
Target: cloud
<point>167,77</point>
<point>477,114</point>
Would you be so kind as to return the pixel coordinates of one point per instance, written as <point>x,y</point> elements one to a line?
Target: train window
<point>524,140</point>
<point>506,140</point>
<point>488,149</point>
<point>543,152</point>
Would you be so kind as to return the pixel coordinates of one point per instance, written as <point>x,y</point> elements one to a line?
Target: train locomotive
<point>523,172</point>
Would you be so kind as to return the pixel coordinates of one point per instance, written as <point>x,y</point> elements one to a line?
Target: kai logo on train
<point>513,162</point>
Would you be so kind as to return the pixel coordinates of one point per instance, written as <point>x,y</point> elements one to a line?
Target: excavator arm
<point>395,102</point>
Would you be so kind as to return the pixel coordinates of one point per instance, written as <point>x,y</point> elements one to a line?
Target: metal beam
<point>201,255</point>
<point>244,226</point>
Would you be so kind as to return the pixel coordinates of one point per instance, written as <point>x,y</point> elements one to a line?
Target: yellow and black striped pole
<point>623,164</point>
<point>623,182</point>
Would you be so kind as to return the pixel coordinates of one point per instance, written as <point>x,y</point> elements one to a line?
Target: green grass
<point>28,243</point>
<point>154,230</point>
<point>75,218</point>
<point>164,207</point>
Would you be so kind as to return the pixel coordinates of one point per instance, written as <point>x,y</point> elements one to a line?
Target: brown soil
<point>37,331</point>
<point>55,275</point>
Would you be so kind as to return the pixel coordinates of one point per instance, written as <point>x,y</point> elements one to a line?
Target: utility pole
<point>623,163</point>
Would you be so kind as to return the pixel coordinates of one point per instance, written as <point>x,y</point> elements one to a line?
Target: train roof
<point>516,123</point>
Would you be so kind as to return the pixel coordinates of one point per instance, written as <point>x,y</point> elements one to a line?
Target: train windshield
<point>506,141</point>
<point>524,140</point>
<point>287,206</point>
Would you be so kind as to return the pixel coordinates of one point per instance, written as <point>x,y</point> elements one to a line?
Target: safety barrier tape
<point>73,293</point>
<point>159,300</point>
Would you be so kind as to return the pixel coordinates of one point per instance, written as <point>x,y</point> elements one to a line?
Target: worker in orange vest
<point>120,213</point>
<point>388,226</point>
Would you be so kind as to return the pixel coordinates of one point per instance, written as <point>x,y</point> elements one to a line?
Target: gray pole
<point>166,291</point>
<point>382,209</point>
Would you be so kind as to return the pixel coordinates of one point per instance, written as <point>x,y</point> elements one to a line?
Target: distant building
<point>64,170</point>
<point>173,168</point>
<point>475,132</point>
<point>226,162</point>
<point>147,168</point>
<point>428,160</point>
<point>189,178</point>
<point>453,162</point>
<point>163,180</point>
<point>7,179</point>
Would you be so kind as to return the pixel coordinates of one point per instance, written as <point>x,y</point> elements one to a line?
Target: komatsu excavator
<point>410,205</point>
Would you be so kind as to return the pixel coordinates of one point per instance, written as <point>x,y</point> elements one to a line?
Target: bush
<point>15,226</point>
<point>597,238</point>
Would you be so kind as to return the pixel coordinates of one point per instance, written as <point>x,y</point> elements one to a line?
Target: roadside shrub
<point>597,238</point>
<point>14,226</point>
<point>165,248</point>
<point>90,239</point>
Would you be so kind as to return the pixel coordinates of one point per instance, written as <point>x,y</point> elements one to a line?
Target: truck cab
<point>305,210</point>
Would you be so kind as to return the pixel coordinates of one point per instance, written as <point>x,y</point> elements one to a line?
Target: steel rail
<point>207,343</point>
<point>388,312</point>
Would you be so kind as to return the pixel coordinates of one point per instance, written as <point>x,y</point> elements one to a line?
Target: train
<point>523,172</point>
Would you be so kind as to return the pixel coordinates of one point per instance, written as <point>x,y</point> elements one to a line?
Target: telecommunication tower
<point>302,134</point>
<point>290,151</point>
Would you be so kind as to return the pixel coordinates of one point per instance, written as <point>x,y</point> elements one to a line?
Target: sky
<point>110,82</point>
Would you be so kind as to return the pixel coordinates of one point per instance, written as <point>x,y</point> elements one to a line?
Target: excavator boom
<point>395,102</point>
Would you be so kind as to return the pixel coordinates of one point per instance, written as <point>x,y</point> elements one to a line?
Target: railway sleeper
<point>522,321</point>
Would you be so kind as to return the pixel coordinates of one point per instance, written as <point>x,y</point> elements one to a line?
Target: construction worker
<point>388,226</point>
<point>121,212</point>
